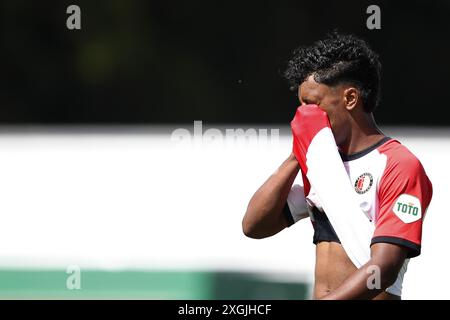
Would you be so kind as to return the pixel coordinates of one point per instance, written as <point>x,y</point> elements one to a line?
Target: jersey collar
<point>362,153</point>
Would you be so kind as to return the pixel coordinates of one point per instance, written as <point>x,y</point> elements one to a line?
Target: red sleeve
<point>404,195</point>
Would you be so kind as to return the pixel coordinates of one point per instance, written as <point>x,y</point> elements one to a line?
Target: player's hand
<point>308,120</point>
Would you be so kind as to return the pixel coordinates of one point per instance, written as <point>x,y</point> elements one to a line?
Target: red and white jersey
<point>393,192</point>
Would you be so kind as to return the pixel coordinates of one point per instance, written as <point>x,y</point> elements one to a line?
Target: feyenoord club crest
<point>363,183</point>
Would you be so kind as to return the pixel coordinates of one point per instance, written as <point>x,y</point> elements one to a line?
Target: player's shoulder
<point>400,158</point>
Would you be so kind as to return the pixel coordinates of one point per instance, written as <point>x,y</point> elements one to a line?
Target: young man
<point>341,75</point>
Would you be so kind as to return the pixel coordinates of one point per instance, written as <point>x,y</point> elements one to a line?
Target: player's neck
<point>363,134</point>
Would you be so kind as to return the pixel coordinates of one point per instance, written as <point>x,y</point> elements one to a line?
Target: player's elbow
<point>250,225</point>
<point>261,222</point>
<point>249,228</point>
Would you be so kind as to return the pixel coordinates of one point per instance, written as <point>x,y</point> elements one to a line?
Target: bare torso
<point>332,267</point>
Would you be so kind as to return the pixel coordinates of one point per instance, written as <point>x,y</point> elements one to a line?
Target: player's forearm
<point>362,284</point>
<point>264,216</point>
<point>368,281</point>
<point>379,273</point>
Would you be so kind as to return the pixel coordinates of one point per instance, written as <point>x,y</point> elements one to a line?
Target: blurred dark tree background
<point>138,61</point>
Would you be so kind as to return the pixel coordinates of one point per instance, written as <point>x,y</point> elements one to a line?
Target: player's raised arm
<point>269,210</point>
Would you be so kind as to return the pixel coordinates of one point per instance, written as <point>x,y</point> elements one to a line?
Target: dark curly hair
<point>338,59</point>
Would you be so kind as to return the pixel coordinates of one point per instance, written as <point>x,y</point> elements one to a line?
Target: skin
<point>335,275</point>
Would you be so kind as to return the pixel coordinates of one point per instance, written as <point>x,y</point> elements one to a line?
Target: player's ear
<point>351,98</point>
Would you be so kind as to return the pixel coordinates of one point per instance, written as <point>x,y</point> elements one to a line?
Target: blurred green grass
<point>189,285</point>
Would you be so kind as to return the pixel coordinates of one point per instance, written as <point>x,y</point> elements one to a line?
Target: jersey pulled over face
<point>393,192</point>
